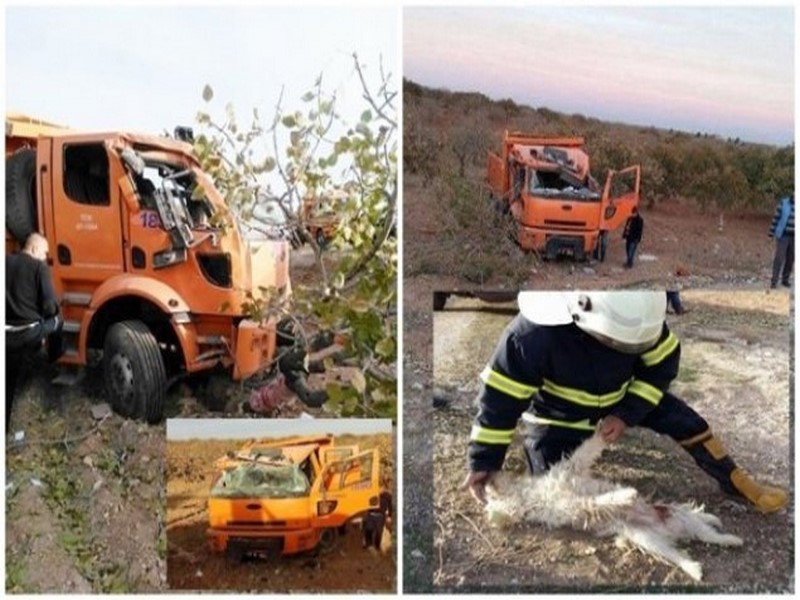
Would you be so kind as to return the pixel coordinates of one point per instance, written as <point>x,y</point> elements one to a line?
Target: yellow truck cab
<point>289,496</point>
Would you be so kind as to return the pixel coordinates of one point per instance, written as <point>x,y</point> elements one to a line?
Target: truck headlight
<point>167,258</point>
<point>326,507</point>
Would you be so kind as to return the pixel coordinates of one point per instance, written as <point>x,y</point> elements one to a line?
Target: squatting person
<point>32,313</point>
<point>569,360</point>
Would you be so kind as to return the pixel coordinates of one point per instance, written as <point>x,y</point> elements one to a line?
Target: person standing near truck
<point>375,520</point>
<point>32,312</point>
<point>782,229</point>
<point>632,234</point>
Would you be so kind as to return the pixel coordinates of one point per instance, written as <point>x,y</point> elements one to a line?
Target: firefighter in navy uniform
<point>569,360</point>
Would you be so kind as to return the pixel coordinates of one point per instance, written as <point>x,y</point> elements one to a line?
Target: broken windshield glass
<point>262,481</point>
<point>561,184</point>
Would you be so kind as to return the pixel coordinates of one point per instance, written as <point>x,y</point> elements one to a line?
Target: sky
<point>226,429</point>
<point>144,68</point>
<point>720,70</point>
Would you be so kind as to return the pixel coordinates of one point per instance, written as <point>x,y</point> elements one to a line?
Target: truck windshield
<point>561,185</point>
<point>262,481</point>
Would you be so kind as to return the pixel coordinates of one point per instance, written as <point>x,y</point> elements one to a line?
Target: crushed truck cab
<point>152,274</point>
<point>546,185</point>
<point>289,496</point>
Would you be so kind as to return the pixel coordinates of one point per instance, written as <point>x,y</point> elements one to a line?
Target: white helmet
<point>627,321</point>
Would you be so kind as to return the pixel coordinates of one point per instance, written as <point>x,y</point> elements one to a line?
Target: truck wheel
<point>327,539</point>
<point>135,376</point>
<point>21,194</point>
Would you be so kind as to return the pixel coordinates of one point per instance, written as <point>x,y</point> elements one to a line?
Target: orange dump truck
<point>545,184</point>
<point>289,496</point>
<point>147,278</point>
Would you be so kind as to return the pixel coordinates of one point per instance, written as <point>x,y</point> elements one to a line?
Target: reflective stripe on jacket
<point>563,377</point>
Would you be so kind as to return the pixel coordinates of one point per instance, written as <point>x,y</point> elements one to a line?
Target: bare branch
<point>368,96</point>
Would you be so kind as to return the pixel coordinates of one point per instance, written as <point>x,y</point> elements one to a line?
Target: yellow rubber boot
<point>765,498</point>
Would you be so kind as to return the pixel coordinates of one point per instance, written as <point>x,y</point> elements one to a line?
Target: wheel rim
<point>122,380</point>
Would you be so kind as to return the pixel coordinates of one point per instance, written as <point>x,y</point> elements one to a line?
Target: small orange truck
<point>289,496</point>
<point>545,184</point>
<point>148,279</point>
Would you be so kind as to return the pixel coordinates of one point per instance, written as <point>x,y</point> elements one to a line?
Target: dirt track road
<point>735,371</point>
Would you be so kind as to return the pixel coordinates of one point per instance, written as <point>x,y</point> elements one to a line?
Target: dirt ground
<point>192,566</point>
<point>735,370</point>
<point>77,483</point>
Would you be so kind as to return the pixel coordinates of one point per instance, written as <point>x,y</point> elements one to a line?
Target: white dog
<point>568,496</point>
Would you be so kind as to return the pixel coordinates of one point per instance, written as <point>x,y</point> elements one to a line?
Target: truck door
<point>620,195</point>
<point>86,209</point>
<point>346,488</point>
<point>496,174</point>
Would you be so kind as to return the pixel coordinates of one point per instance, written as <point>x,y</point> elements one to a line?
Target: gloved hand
<point>476,482</point>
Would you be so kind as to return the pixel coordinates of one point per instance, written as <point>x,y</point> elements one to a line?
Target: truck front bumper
<point>255,540</point>
<point>552,241</point>
<point>254,349</point>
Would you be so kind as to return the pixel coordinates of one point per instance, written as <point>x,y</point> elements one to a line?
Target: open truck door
<point>347,488</point>
<point>620,196</point>
<point>336,453</point>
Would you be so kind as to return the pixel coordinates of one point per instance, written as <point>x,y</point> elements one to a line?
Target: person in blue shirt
<point>782,230</point>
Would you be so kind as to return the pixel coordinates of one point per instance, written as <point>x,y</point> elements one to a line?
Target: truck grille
<point>256,523</point>
<point>567,224</point>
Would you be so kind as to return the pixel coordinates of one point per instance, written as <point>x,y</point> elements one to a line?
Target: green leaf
<point>308,97</point>
<point>342,145</point>
<point>289,121</point>
<point>385,348</point>
<point>208,93</point>
<point>359,381</point>
<point>366,116</point>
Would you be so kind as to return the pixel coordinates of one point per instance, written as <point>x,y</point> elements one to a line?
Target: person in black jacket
<point>632,234</point>
<point>32,311</point>
<point>375,520</point>
<point>574,362</point>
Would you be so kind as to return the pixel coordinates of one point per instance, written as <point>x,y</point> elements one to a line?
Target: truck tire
<point>21,194</point>
<point>135,375</point>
